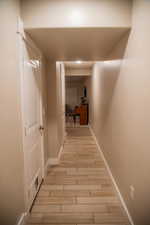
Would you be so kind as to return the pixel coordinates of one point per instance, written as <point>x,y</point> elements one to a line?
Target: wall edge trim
<point>112,178</point>
<point>22,219</point>
<point>53,161</point>
<point>60,152</point>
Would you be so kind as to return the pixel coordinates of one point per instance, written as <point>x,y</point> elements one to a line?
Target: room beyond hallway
<point>77,76</point>
<point>79,189</point>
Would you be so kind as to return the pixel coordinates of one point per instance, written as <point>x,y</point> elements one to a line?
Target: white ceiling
<point>69,44</point>
<point>75,65</point>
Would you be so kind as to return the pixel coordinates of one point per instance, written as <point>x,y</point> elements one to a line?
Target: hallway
<point>79,189</point>
<point>81,66</point>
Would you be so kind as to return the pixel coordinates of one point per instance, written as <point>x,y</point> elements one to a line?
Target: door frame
<point>24,39</point>
<point>61,94</point>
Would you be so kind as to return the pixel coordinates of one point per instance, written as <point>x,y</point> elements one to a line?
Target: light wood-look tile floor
<point>79,190</point>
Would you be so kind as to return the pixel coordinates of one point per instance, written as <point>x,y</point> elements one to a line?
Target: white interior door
<point>31,102</point>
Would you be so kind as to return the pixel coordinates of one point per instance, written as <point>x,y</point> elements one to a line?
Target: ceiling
<point>76,65</point>
<point>75,78</point>
<point>69,44</point>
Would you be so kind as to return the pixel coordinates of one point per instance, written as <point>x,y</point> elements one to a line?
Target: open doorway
<point>77,75</point>
<point>77,103</point>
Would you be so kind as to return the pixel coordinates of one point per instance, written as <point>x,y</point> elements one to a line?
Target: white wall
<point>74,92</point>
<point>60,85</point>
<point>66,13</point>
<point>11,154</point>
<point>55,110</point>
<point>120,90</point>
<point>72,96</point>
<point>53,148</point>
<point>12,204</point>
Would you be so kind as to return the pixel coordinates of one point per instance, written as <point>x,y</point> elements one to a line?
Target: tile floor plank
<point>79,190</point>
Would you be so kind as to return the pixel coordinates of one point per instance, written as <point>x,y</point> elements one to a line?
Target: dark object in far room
<point>85,92</point>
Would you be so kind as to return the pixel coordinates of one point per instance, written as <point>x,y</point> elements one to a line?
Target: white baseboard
<point>50,162</point>
<point>53,161</point>
<point>22,219</point>
<point>46,167</point>
<point>60,152</point>
<point>112,178</point>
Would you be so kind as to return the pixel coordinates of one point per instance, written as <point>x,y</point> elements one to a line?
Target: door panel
<point>32,120</point>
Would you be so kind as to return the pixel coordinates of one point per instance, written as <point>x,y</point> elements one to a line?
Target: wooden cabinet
<point>83,111</point>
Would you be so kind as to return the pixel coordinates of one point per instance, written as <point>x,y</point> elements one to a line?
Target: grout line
<point>90,195</point>
<point>61,209</point>
<point>93,217</point>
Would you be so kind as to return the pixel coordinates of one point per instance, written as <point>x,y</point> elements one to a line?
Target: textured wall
<point>55,110</point>
<point>121,103</point>
<point>53,148</point>
<point>11,154</point>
